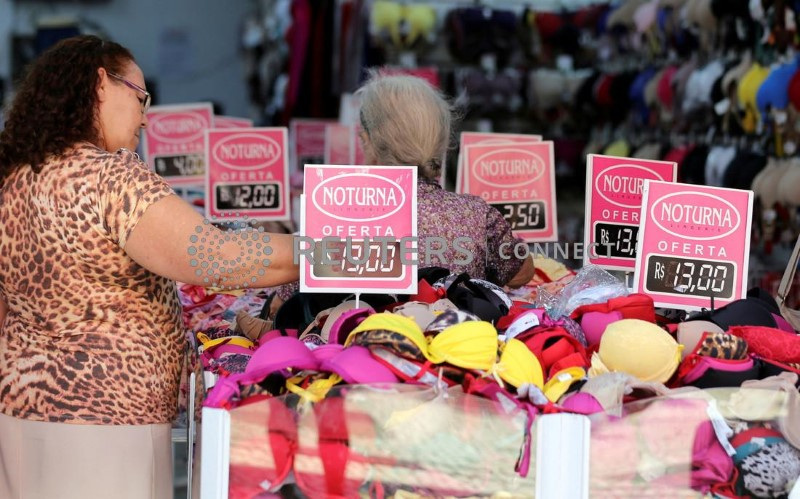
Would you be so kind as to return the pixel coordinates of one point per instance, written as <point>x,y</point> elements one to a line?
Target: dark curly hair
<point>56,102</point>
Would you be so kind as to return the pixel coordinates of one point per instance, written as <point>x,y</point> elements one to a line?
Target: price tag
<point>248,174</point>
<point>180,166</point>
<point>671,274</point>
<point>174,142</point>
<point>613,202</point>
<point>484,138</point>
<point>615,241</point>
<point>359,229</point>
<point>528,216</point>
<point>694,244</point>
<point>365,259</point>
<point>519,180</point>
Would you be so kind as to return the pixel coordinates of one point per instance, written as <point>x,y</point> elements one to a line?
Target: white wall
<point>204,62</point>
<point>6,15</point>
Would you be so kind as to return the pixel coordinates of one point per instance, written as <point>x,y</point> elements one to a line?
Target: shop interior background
<point>521,75</point>
<point>235,55</point>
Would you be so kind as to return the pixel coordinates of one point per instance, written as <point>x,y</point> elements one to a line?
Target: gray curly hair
<point>407,122</point>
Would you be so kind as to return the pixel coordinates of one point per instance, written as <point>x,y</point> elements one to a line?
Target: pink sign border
<point>692,303</point>
<point>482,138</point>
<point>408,281</point>
<point>282,213</point>
<point>550,202</point>
<point>610,263</point>
<point>194,180</point>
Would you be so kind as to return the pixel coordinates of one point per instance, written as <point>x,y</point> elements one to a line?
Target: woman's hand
<point>524,275</point>
<point>173,240</point>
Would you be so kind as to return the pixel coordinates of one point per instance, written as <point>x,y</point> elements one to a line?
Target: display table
<point>401,440</point>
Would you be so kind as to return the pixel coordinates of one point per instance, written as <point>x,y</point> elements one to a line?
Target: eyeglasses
<point>145,102</point>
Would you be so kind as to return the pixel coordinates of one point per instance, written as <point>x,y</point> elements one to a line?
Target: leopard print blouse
<point>91,337</point>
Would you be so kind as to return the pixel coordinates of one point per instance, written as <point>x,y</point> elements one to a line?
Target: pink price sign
<point>519,180</point>
<point>174,142</point>
<point>338,144</point>
<point>307,139</point>
<point>484,138</point>
<point>694,244</point>
<point>248,174</point>
<point>613,203</point>
<point>362,223</point>
<point>232,122</point>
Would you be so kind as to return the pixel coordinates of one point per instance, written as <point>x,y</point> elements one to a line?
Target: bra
<point>404,24</point>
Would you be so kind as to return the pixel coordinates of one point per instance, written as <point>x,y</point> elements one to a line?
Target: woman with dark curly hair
<point>91,340</point>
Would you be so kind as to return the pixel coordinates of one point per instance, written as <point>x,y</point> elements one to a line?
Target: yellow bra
<point>560,382</point>
<point>470,344</point>
<point>208,343</point>
<point>747,91</point>
<point>419,20</point>
<point>519,366</point>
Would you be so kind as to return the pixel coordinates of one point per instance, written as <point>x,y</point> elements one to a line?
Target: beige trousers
<point>63,461</point>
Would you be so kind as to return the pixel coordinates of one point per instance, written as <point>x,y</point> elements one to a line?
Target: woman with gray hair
<point>405,121</point>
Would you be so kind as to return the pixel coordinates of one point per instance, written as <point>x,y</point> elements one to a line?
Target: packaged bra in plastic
<point>406,441</point>
<point>591,285</point>
<point>372,441</point>
<point>721,442</point>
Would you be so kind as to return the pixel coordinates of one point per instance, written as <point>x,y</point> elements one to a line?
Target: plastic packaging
<point>591,285</point>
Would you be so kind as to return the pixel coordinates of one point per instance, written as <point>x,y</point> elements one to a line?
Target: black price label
<point>524,216</point>
<point>247,196</point>
<point>690,276</point>
<point>351,260</point>
<point>183,165</point>
<point>616,240</point>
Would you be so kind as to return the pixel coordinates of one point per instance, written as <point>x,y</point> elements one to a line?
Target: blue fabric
<point>662,18</point>
<point>750,447</point>
<point>774,91</point>
<point>602,21</point>
<point>636,94</point>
